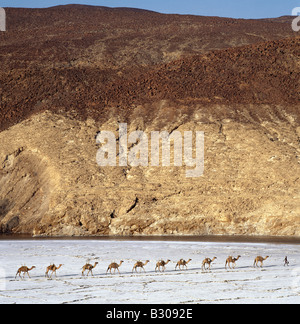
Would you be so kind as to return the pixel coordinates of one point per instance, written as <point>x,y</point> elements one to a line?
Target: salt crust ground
<point>273,284</point>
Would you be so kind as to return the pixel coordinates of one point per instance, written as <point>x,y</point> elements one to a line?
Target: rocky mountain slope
<point>69,72</point>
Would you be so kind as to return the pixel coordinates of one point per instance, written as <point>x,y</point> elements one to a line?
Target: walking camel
<point>232,261</point>
<point>114,266</point>
<point>24,270</point>
<point>90,268</point>
<point>261,260</point>
<point>182,263</point>
<point>161,264</point>
<point>141,265</point>
<point>52,268</point>
<point>209,262</point>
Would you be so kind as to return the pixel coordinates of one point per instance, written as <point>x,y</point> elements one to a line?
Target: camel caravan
<point>181,265</point>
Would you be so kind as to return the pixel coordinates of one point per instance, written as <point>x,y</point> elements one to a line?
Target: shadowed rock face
<point>69,72</point>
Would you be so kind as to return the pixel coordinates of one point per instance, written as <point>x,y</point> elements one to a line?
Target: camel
<point>52,268</point>
<point>261,260</point>
<point>114,266</point>
<point>90,268</point>
<point>161,264</point>
<point>141,265</point>
<point>25,270</point>
<point>233,261</point>
<point>182,263</point>
<point>209,262</point>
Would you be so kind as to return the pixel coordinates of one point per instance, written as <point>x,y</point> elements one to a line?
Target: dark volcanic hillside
<point>89,58</point>
<point>260,74</point>
<point>69,72</point>
<point>104,37</point>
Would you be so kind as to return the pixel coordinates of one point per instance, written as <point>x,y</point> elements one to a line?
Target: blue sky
<point>224,8</point>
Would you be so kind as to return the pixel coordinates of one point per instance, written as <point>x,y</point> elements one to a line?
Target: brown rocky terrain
<point>69,72</point>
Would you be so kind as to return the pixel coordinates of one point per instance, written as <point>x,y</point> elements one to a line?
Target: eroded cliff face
<point>52,185</point>
<point>68,73</point>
